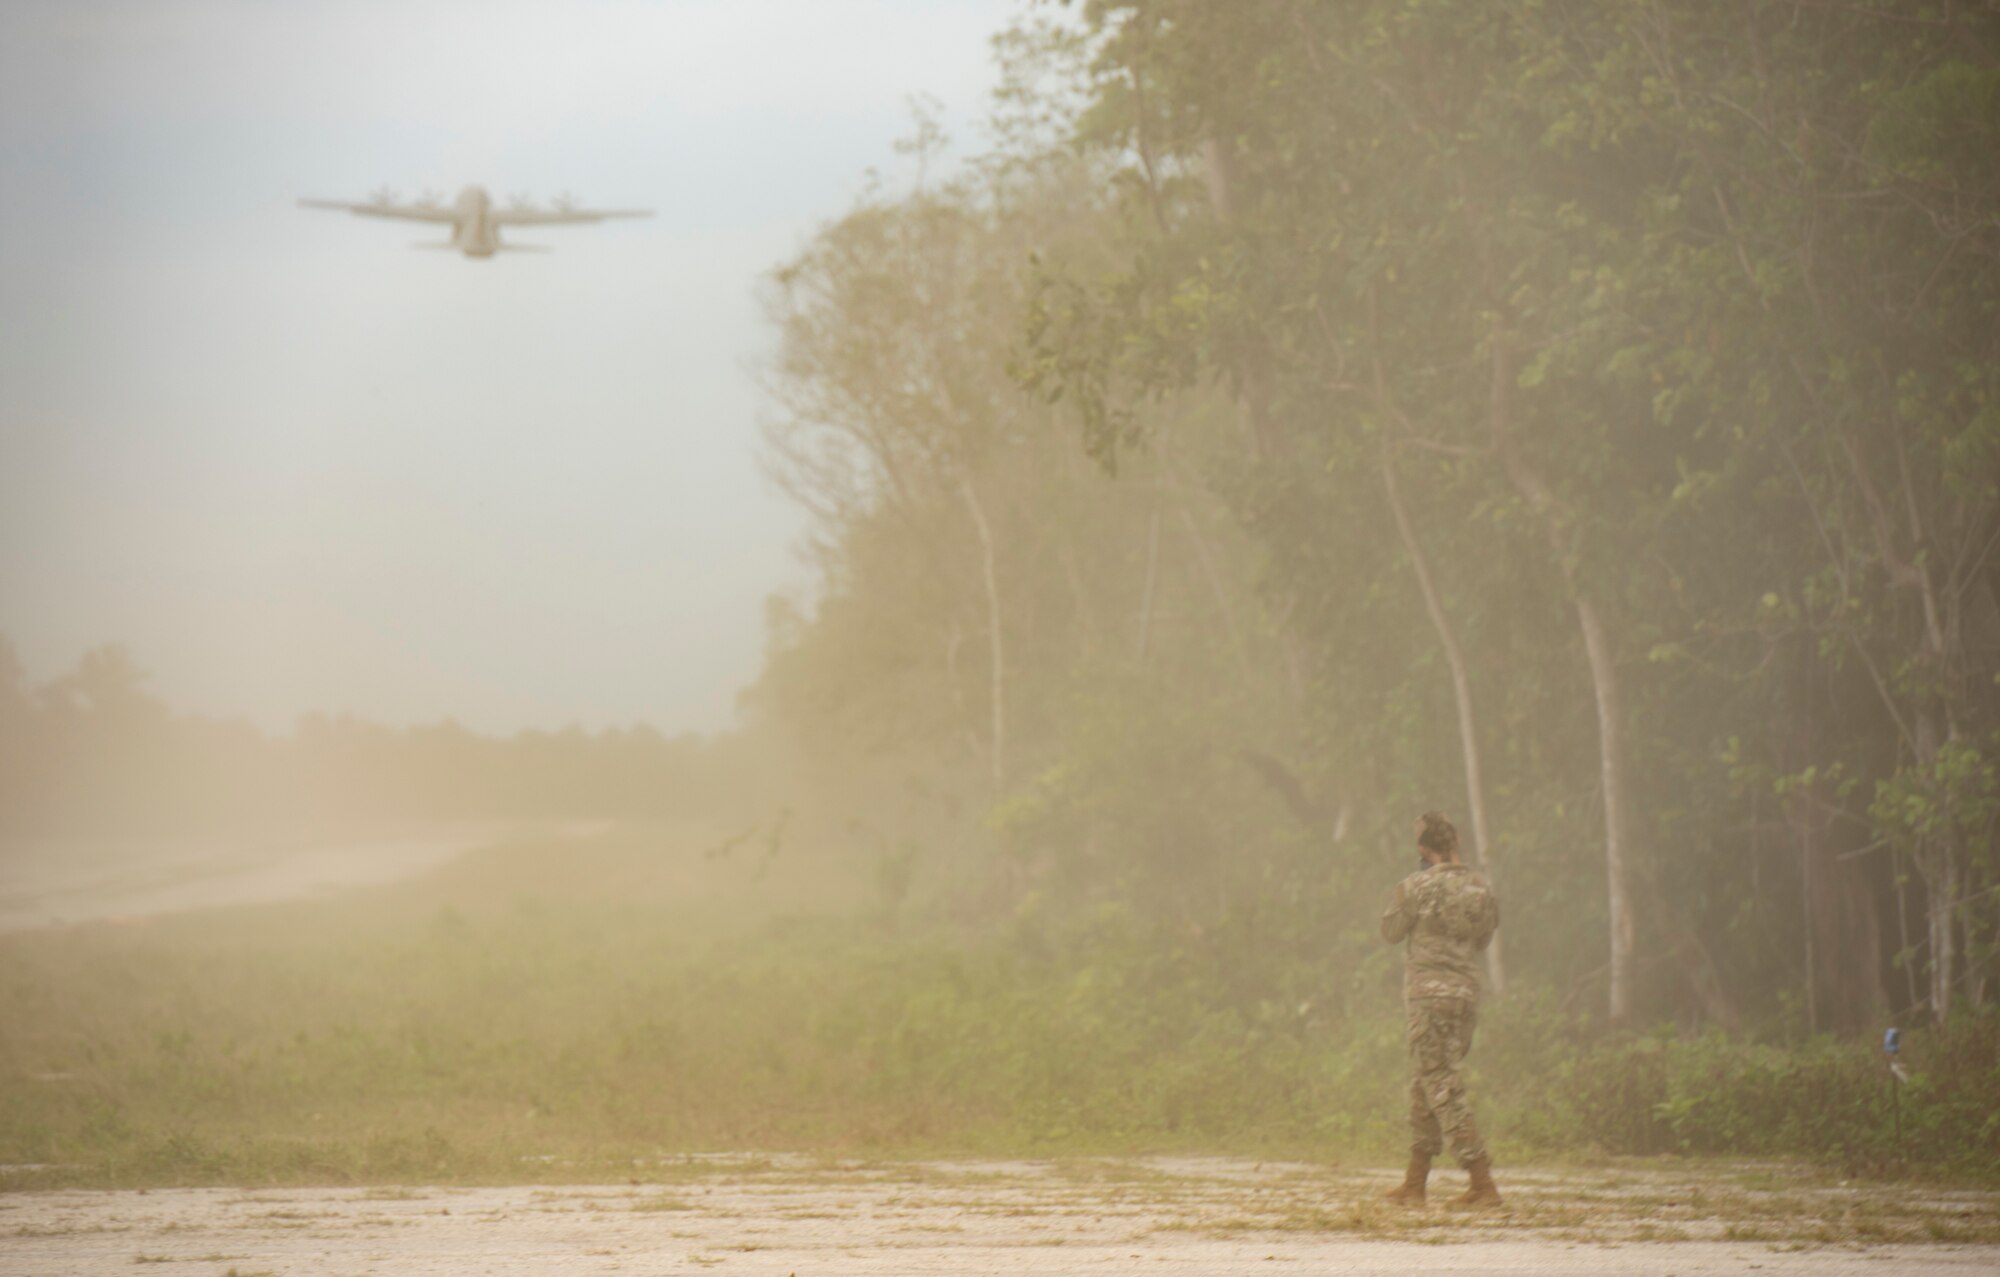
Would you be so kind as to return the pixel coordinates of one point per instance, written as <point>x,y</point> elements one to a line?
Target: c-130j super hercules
<point>475,222</point>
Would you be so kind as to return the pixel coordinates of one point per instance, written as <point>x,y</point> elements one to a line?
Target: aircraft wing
<point>386,208</point>
<point>561,216</point>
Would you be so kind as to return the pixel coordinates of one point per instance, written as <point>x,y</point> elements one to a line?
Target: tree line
<point>1584,417</point>
<point>95,754</point>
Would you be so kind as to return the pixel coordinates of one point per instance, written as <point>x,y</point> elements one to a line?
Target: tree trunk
<point>1812,921</point>
<point>1850,942</point>
<point>1617,839</point>
<point>998,678</point>
<point>1215,587</point>
<point>1603,682</point>
<point>1943,895</point>
<point>1461,688</point>
<point>1152,578</point>
<point>1908,954</point>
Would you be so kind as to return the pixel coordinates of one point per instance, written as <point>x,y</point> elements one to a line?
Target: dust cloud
<point>887,712</point>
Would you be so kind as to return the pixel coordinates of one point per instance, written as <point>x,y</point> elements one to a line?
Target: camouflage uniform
<point>1448,914</point>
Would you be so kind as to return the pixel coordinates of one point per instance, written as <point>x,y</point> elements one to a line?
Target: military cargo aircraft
<point>474,219</point>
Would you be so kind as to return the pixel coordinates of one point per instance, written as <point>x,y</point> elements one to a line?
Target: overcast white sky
<point>296,465</point>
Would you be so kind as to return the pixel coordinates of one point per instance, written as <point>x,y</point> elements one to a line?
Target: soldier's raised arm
<point>1489,922</point>
<point>1398,918</point>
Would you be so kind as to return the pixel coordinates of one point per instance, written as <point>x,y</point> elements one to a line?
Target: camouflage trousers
<point>1440,1033</point>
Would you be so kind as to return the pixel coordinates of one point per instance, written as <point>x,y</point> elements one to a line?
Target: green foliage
<point>1667,310</point>
<point>1823,1099</point>
<point>1956,796</point>
<point>558,1012</point>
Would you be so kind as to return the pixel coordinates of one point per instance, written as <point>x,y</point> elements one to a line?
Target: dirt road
<point>795,1216</point>
<point>69,883</point>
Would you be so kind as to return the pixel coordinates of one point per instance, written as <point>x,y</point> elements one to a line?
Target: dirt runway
<point>784,1216</point>
<point>66,884</point>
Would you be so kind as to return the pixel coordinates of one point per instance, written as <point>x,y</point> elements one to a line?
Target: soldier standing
<point>1448,914</point>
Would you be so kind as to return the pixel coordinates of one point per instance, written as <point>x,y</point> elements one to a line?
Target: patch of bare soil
<point>1151,1215</point>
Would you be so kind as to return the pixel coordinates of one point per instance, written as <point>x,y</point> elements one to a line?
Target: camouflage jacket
<point>1448,914</point>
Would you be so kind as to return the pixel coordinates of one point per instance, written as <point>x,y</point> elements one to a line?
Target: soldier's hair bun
<point>1439,834</point>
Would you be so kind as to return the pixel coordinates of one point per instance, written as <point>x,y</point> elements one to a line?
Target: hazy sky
<point>295,464</point>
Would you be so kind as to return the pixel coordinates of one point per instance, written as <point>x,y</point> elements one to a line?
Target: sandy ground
<point>792,1216</point>
<point>64,884</point>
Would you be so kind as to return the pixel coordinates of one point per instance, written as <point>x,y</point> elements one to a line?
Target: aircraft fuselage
<point>474,233</point>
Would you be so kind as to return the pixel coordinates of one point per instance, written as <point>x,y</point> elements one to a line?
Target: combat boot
<point>1411,1191</point>
<point>1482,1192</point>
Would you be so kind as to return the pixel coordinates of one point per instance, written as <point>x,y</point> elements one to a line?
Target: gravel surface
<point>794,1216</point>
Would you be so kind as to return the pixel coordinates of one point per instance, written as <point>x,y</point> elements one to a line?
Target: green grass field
<point>583,1003</point>
<point>560,1012</point>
